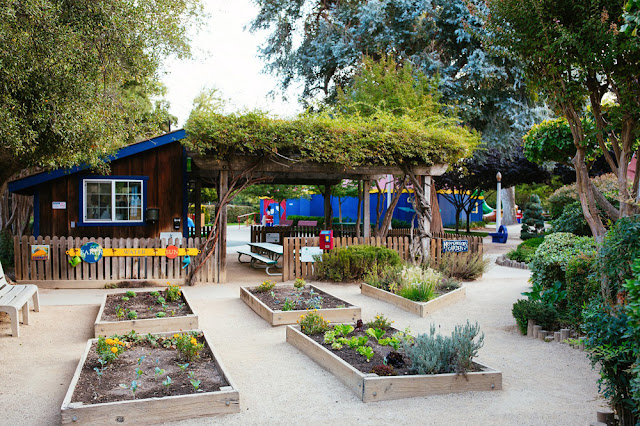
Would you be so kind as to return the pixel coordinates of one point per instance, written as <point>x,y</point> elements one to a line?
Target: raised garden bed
<point>108,399</point>
<point>152,316</point>
<point>265,305</point>
<point>370,387</point>
<point>421,309</point>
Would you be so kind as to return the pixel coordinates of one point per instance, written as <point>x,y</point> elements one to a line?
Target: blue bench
<point>500,236</point>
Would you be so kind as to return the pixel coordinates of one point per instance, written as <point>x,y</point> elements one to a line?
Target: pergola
<point>280,169</point>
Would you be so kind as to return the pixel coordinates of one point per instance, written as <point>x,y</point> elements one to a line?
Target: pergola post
<point>328,212</point>
<point>197,200</point>
<point>366,187</point>
<point>223,187</point>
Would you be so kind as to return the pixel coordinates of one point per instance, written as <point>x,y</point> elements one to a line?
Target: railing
<point>261,234</point>
<point>58,273</point>
<point>293,267</point>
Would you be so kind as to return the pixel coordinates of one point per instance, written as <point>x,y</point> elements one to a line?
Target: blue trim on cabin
<point>185,196</point>
<point>36,213</point>
<point>80,222</point>
<point>22,185</point>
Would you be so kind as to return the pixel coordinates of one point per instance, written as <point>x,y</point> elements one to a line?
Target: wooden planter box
<point>371,387</point>
<point>147,325</point>
<point>335,315</point>
<point>421,309</point>
<point>151,410</point>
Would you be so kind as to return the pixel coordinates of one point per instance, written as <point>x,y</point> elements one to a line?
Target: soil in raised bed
<point>91,389</point>
<point>281,293</point>
<point>145,305</point>
<point>359,362</point>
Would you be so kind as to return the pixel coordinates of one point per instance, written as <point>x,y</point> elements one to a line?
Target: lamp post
<point>499,201</point>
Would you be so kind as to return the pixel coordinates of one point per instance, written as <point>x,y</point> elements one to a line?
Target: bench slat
<point>258,257</point>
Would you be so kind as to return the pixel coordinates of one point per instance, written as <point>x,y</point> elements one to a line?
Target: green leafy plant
<point>173,293</point>
<point>183,367</point>
<point>313,323</point>
<point>266,285</point>
<point>132,315</point>
<point>532,219</point>
<point>158,372</point>
<point>109,348</point>
<point>195,384</point>
<point>299,283</point>
<point>130,294</point>
<point>161,300</point>
<point>543,314</point>
<point>188,345</point>
<point>343,329</point>
<point>133,387</point>
<point>167,382</point>
<point>525,250</point>
<point>583,283</point>
<point>380,321</point>
<point>314,302</point>
<point>154,294</point>
<point>357,341</point>
<point>376,333</point>
<point>551,295</point>
<point>366,351</point>
<point>161,314</point>
<point>125,299</point>
<point>620,247</point>
<point>288,305</point>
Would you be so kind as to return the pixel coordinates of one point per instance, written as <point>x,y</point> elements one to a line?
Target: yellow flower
<point>328,321</point>
<point>194,341</point>
<point>116,340</point>
<point>175,336</point>
<point>109,341</point>
<point>121,343</point>
<point>114,350</point>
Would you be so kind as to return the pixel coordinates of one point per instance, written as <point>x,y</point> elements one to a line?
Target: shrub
<point>525,250</point>
<point>313,323</point>
<point>632,287</point>
<point>173,293</point>
<point>620,247</point>
<point>532,219</point>
<point>543,314</point>
<point>400,224</point>
<point>297,218</point>
<point>6,249</point>
<point>572,220</point>
<point>188,345</point>
<point>436,354</point>
<point>462,266</point>
<point>610,348</point>
<point>582,282</point>
<point>552,256</point>
<point>299,283</point>
<point>265,286</point>
<point>353,263</point>
<point>568,194</point>
<point>234,211</point>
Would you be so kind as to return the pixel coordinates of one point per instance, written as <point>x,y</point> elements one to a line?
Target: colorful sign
<point>40,252</point>
<point>91,252</point>
<point>171,252</point>
<point>59,205</point>
<point>455,246</point>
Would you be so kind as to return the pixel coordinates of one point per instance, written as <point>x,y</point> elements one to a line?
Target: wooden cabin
<point>143,194</point>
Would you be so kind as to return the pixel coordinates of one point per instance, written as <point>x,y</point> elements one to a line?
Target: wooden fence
<point>58,273</point>
<point>293,268</point>
<point>259,233</point>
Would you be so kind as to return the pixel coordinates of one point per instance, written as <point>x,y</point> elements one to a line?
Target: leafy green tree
<point>631,17</point>
<point>77,76</point>
<point>532,219</point>
<point>575,54</point>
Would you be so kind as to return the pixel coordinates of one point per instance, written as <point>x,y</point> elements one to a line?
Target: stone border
<point>336,315</point>
<point>421,309</point>
<point>147,325</point>
<point>151,410</point>
<point>535,331</point>
<point>371,387</point>
<point>505,261</point>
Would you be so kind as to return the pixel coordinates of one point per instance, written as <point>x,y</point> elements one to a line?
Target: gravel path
<point>543,383</point>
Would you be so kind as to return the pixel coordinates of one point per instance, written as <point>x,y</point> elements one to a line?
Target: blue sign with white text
<point>91,252</point>
<point>455,246</point>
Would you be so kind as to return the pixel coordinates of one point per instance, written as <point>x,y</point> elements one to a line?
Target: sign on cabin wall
<point>455,246</point>
<point>59,205</point>
<point>40,252</point>
<point>272,237</point>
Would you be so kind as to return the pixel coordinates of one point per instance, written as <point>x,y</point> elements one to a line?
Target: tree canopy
<point>76,77</point>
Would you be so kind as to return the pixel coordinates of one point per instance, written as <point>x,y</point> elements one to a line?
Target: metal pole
<point>499,202</point>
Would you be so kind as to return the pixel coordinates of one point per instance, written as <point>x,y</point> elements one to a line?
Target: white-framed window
<point>112,200</point>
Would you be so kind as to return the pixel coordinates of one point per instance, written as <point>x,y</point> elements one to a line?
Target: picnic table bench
<point>500,236</point>
<point>307,223</point>
<point>269,257</point>
<point>14,298</point>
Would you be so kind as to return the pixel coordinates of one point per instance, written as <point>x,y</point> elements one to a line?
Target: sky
<point>226,58</point>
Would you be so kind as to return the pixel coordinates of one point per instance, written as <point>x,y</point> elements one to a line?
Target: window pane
<point>135,213</point>
<point>122,187</point>
<point>122,213</point>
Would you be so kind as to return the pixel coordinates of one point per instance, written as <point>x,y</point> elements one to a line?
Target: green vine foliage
<point>552,140</point>
<point>620,248</point>
<point>347,140</point>
<point>632,287</point>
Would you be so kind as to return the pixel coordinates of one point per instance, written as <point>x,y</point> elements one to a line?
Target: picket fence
<point>58,273</point>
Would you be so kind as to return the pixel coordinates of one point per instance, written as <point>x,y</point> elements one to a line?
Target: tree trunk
<point>421,243</point>
<point>587,199</point>
<point>340,209</point>
<point>383,227</point>
<point>436,221</point>
<point>328,212</point>
<point>508,196</point>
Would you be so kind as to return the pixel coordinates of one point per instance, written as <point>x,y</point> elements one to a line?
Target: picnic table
<point>268,256</point>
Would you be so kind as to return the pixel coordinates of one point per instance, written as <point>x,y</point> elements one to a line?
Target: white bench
<point>258,257</point>
<point>16,297</point>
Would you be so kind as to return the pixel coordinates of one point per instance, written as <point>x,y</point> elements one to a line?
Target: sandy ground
<point>543,383</point>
